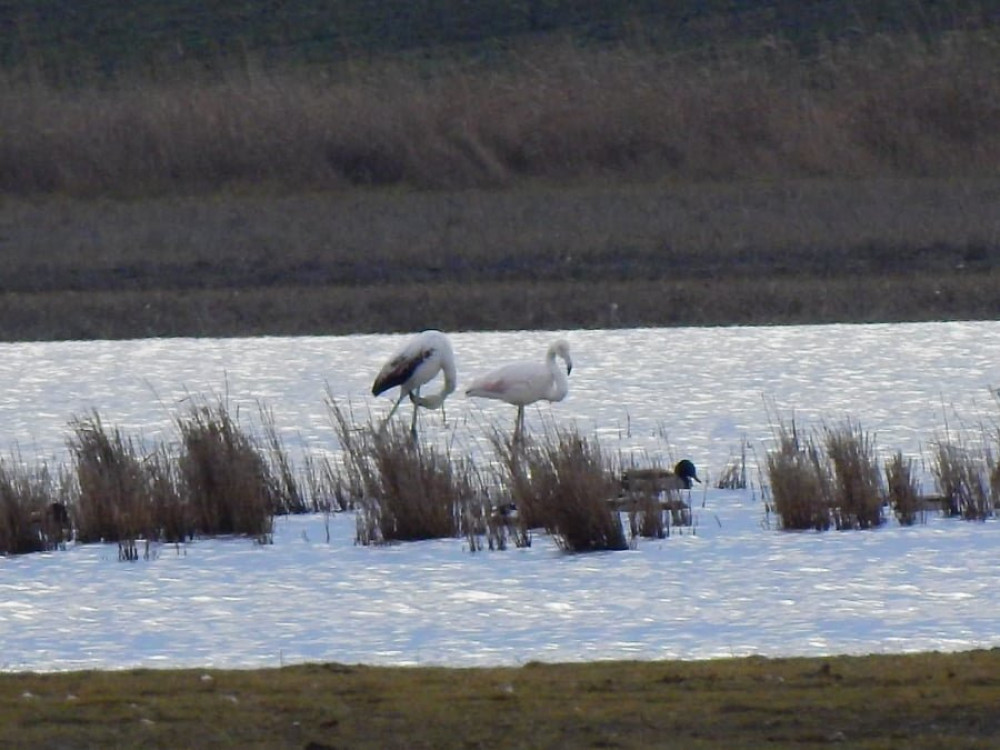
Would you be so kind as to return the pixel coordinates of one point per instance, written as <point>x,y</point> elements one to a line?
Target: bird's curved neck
<point>560,384</point>
<point>435,400</point>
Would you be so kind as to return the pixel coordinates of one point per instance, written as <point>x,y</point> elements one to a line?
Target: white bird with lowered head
<point>417,363</point>
<point>523,383</point>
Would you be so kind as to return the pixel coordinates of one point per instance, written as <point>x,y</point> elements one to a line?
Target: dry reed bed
<point>883,105</point>
<point>221,479</point>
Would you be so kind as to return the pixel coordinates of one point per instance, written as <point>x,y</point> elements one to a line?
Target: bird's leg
<point>392,411</point>
<point>413,422</point>
<point>519,425</point>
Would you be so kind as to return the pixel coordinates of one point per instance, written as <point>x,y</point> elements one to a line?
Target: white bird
<point>415,365</point>
<point>523,383</point>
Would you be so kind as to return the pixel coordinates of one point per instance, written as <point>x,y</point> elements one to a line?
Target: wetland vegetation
<point>249,169</point>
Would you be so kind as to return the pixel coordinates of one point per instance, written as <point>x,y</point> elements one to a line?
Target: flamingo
<point>414,365</point>
<point>523,383</point>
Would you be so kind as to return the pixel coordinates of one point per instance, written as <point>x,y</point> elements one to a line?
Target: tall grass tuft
<point>287,495</point>
<point>832,479</point>
<point>408,491</point>
<point>734,475</point>
<point>33,514</point>
<point>857,486</point>
<point>226,480</point>
<point>799,481</point>
<point>964,481</point>
<point>527,480</point>
<point>113,488</point>
<point>902,490</point>
<point>563,484</point>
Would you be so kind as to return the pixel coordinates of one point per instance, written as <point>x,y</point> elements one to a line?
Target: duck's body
<point>417,363</point>
<point>660,480</point>
<point>523,383</point>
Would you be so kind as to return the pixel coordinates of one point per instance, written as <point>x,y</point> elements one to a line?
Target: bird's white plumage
<point>417,363</point>
<point>523,383</point>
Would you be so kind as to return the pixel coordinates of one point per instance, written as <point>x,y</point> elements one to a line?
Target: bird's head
<point>686,471</point>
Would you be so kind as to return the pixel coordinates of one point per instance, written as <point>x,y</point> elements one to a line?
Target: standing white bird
<point>523,383</point>
<point>415,365</point>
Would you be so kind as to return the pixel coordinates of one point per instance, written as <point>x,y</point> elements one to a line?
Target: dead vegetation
<point>219,478</point>
<point>890,105</point>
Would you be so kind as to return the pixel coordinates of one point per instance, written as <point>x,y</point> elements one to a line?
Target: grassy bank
<point>606,165</point>
<point>923,701</point>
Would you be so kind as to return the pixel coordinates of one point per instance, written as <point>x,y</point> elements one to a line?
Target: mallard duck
<point>660,480</point>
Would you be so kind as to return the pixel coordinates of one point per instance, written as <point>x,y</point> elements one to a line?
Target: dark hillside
<point>174,167</point>
<point>67,40</point>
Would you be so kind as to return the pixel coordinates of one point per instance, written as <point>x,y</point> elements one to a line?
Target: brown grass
<point>829,478</point>
<point>31,509</point>
<point>113,503</point>
<point>408,491</point>
<point>799,481</point>
<point>858,494</point>
<point>885,105</point>
<point>226,478</point>
<point>903,490</point>
<point>580,481</point>
<point>963,477</point>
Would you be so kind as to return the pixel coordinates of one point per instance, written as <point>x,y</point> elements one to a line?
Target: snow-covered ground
<point>730,585</point>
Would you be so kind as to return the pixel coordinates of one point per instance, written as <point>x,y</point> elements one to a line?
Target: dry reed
<point>563,483</point>
<point>903,491</point>
<point>799,481</point>
<point>963,477</point>
<point>408,491</point>
<point>858,494</point>
<point>886,105</point>
<point>33,514</point>
<point>113,502</point>
<point>226,479</point>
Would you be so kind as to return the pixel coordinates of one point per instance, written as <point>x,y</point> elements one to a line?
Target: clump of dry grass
<point>965,481</point>
<point>408,491</point>
<point>226,480</point>
<point>578,514</point>
<point>173,519</point>
<point>903,490</point>
<point>799,482</point>
<point>563,484</point>
<point>113,501</point>
<point>33,512</point>
<point>858,495</point>
<point>830,479</point>
<point>734,474</point>
<point>527,480</point>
